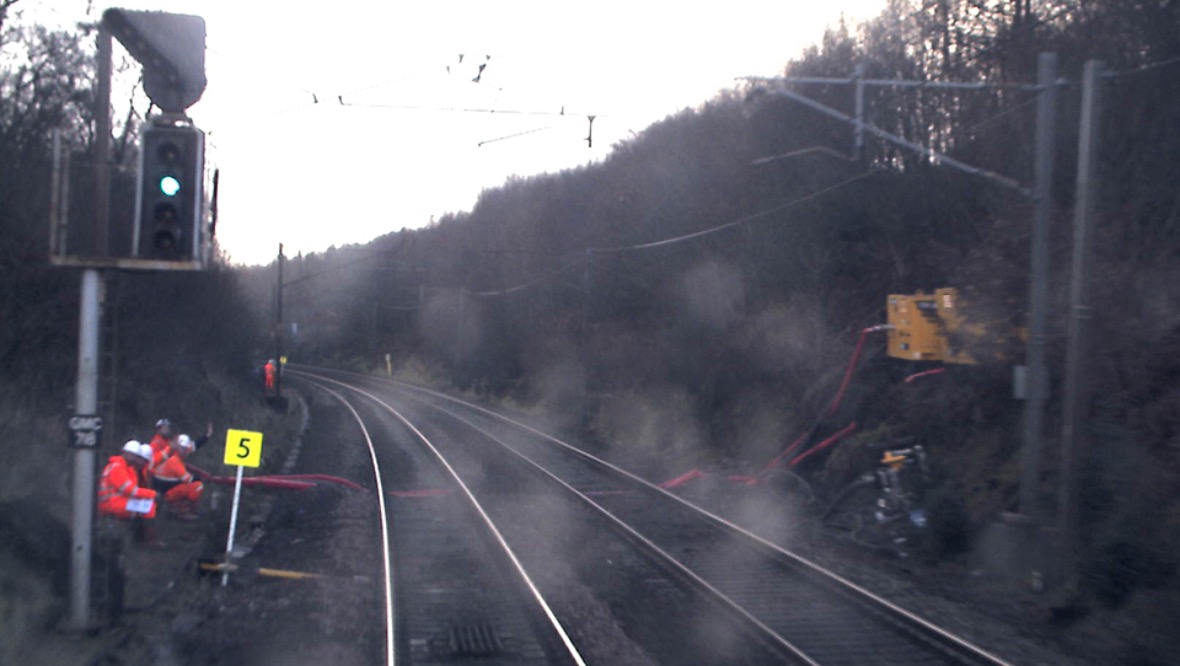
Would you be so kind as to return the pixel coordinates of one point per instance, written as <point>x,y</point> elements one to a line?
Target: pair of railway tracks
<point>505,544</point>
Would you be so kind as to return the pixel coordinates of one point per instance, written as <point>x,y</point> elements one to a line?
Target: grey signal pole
<point>1077,379</point>
<point>89,325</point>
<point>1034,406</point>
<point>86,402</point>
<point>279,327</point>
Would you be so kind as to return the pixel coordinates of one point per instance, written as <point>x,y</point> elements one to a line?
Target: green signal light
<point>169,185</point>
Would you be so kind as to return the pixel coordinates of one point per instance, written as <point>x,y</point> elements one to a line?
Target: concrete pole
<point>90,321</point>
<point>584,333</point>
<point>1077,379</point>
<point>279,328</point>
<point>1034,405</point>
<point>858,141</point>
<point>85,402</point>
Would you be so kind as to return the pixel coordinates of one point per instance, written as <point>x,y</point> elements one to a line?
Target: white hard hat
<point>134,448</point>
<point>185,443</point>
<point>145,451</point>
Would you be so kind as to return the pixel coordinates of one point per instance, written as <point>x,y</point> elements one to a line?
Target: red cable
<point>927,373</point>
<point>682,479</point>
<point>852,364</point>
<point>282,484</point>
<point>832,410</point>
<point>322,477</point>
<point>786,452</point>
<point>202,474</point>
<point>824,444</point>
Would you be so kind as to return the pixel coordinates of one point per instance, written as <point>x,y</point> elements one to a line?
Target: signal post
<point>170,233</point>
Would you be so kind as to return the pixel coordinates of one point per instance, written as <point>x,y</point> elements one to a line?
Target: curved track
<point>454,590</point>
<point>678,581</point>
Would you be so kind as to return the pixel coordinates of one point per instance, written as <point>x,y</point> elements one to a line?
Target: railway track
<point>454,592</point>
<point>680,584</point>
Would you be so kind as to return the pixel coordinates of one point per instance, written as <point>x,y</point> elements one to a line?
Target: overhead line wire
<point>678,239</point>
<point>740,221</point>
<point>525,285</point>
<point>1143,68</point>
<point>458,109</point>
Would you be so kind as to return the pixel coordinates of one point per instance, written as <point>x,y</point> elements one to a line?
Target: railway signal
<point>171,48</point>
<point>168,215</point>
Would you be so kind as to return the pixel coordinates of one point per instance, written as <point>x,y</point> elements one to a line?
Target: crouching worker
<point>120,493</point>
<point>172,478</point>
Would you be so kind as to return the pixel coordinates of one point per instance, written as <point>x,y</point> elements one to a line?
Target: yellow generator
<point>927,327</point>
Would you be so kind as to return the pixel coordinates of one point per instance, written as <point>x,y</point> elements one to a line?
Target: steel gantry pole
<point>279,326</point>
<point>1077,376</point>
<point>89,326</point>
<point>85,402</point>
<point>1038,300</point>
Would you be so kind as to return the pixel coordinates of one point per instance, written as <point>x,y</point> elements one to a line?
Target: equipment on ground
<point>215,567</point>
<point>884,509</point>
<point>929,327</point>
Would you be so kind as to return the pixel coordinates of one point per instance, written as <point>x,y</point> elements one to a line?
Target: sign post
<point>243,448</point>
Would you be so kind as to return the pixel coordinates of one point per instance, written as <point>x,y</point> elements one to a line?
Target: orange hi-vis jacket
<point>159,445</point>
<point>118,486</point>
<point>174,479</point>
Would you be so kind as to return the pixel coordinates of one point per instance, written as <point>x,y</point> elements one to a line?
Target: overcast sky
<point>416,137</point>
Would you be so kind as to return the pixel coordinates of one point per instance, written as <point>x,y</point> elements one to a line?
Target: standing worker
<point>162,438</point>
<point>269,370</point>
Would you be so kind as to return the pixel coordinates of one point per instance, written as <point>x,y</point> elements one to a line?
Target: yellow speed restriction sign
<point>243,448</point>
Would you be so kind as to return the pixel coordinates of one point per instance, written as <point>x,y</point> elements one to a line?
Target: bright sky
<point>410,141</point>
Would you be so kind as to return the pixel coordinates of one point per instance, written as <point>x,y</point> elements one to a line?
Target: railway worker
<point>160,444</point>
<point>121,493</point>
<point>162,438</point>
<point>269,370</point>
<point>163,447</point>
<point>171,478</point>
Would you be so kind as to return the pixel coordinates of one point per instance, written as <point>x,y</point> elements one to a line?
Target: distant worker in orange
<point>172,478</point>
<point>269,370</point>
<point>120,493</point>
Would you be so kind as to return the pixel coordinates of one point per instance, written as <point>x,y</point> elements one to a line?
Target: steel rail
<point>390,623</point>
<point>837,582</point>
<point>554,622</point>
<point>919,625</point>
<point>667,560</point>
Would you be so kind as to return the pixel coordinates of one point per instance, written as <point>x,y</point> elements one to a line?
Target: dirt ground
<point>174,614</point>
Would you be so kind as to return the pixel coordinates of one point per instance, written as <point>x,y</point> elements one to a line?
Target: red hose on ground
<point>919,375</point>
<point>839,397</point>
<point>261,481</point>
<point>824,444</point>
<point>682,479</point>
<point>852,364</point>
<point>322,477</point>
<point>786,452</point>
<point>302,479</point>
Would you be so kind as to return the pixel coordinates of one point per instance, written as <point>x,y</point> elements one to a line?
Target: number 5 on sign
<point>243,448</point>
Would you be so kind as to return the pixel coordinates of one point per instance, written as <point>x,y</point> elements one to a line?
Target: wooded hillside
<point>700,292</point>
